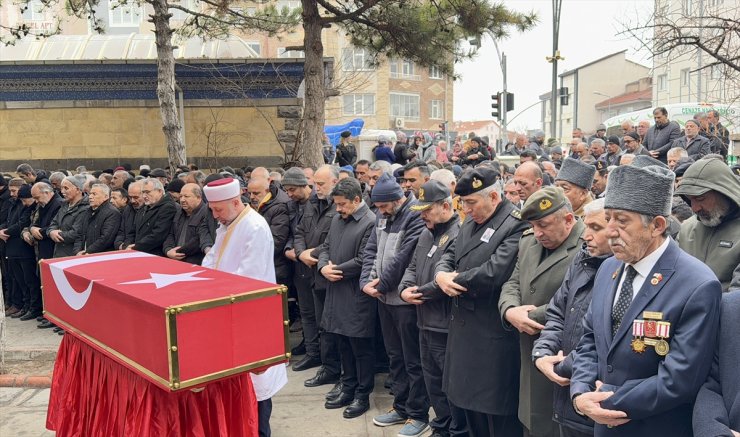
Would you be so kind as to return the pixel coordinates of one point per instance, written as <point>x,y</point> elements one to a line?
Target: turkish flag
<point>119,303</point>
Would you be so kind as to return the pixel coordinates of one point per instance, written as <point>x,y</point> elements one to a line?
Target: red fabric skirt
<point>92,395</point>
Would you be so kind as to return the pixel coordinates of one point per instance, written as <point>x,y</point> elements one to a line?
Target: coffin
<point>176,324</point>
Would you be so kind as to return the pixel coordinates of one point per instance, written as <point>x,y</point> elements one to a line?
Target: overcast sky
<point>588,31</point>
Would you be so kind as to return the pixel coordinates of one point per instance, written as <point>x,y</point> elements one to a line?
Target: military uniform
<point>538,274</point>
<point>482,361</point>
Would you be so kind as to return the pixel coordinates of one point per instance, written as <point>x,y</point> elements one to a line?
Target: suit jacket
<point>481,370</point>
<point>153,224</point>
<point>535,280</point>
<point>717,408</point>
<point>656,392</point>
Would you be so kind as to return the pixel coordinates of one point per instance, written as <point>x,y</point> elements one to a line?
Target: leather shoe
<point>322,378</point>
<point>357,408</point>
<point>12,310</point>
<point>57,329</point>
<point>341,401</point>
<point>19,314</point>
<point>29,316</point>
<point>40,318</point>
<point>334,392</point>
<point>307,362</point>
<point>46,325</point>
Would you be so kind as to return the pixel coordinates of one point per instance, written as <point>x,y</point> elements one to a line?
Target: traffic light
<point>443,127</point>
<point>496,105</point>
<point>509,102</point>
<point>563,92</point>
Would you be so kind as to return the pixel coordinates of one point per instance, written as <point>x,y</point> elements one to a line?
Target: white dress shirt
<point>643,269</point>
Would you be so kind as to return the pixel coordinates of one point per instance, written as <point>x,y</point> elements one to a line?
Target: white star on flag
<point>161,280</point>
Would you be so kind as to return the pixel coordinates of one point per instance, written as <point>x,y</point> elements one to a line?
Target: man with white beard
<point>711,235</point>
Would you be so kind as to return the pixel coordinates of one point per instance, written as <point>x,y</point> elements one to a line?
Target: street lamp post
<point>556,9</point>
<point>608,103</point>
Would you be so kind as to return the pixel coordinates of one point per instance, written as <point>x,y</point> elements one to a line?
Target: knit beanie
<point>386,189</point>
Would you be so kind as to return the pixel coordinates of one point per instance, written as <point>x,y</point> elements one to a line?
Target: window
<point>662,82</point>
<point>34,11</point>
<point>436,109</point>
<point>359,104</point>
<point>123,15</point>
<point>405,105</point>
<point>403,70</point>
<point>716,72</point>
<point>355,59</point>
<point>179,15</point>
<point>256,46</point>
<point>685,75</point>
<point>435,73</point>
<point>282,53</point>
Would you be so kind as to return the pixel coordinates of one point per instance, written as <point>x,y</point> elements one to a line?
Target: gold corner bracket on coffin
<point>173,358</point>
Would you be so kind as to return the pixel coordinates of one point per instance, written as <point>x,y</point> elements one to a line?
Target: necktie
<point>623,300</point>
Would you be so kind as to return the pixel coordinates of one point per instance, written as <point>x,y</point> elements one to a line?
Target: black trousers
<point>308,315</point>
<point>329,348</point>
<point>401,338</point>
<point>570,432</point>
<point>264,411</point>
<point>6,281</point>
<point>433,347</point>
<point>489,425</point>
<point>26,290</point>
<point>358,365</point>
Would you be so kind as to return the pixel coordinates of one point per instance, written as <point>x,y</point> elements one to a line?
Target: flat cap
<point>346,134</point>
<point>474,180</point>
<point>158,173</point>
<point>543,202</point>
<point>432,191</point>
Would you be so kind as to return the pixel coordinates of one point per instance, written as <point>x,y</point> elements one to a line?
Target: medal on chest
<point>653,331</point>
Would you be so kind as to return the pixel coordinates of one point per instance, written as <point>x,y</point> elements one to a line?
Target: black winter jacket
<point>19,217</point>
<point>42,218</point>
<point>275,212</point>
<point>564,329</point>
<point>434,313</point>
<point>153,224</point>
<point>311,233</point>
<point>196,237</point>
<point>99,229</point>
<point>69,221</point>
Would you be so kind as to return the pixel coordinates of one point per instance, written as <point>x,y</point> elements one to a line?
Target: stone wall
<point>52,135</point>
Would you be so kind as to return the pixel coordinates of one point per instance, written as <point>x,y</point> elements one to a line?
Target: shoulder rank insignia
<point>529,231</point>
<point>516,214</point>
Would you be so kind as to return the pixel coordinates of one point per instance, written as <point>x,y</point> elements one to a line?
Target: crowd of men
<point>576,294</point>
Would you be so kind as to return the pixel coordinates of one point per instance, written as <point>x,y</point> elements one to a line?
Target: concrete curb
<point>28,354</point>
<point>27,381</point>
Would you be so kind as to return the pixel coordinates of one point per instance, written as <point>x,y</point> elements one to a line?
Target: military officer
<point>712,234</point>
<point>650,333</point>
<point>545,252</point>
<point>482,360</point>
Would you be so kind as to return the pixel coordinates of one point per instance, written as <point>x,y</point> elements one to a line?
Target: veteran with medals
<point>244,246</point>
<point>481,371</point>
<point>651,330</point>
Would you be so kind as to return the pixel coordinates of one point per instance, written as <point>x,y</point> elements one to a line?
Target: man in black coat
<point>481,372</point>
<point>22,258</point>
<point>312,224</point>
<point>554,351</point>
<point>66,226</point>
<point>154,222</point>
<point>272,203</point>
<point>127,230</point>
<point>660,136</point>
<point>349,314</point>
<point>432,305</point>
<point>100,223</point>
<point>48,203</point>
<point>189,239</point>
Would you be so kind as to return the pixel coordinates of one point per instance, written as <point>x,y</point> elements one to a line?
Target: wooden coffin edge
<point>171,313</point>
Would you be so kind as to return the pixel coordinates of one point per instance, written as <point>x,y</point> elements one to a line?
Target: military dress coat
<point>536,278</point>
<point>347,310</point>
<point>657,392</point>
<point>482,361</point>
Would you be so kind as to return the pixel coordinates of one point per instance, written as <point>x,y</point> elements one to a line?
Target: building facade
<point>687,74</point>
<point>587,86</point>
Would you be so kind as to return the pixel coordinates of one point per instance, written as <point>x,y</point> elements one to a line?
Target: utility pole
<point>556,9</point>
<point>503,135</point>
